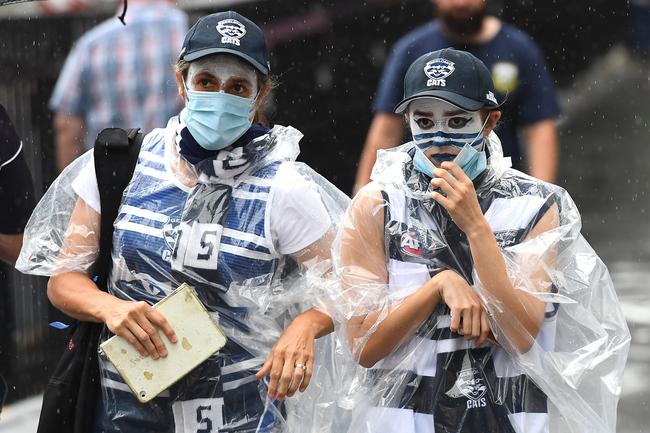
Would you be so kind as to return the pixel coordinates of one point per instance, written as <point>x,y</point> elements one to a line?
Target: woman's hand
<point>138,323</point>
<point>468,316</point>
<point>291,360</point>
<point>459,197</point>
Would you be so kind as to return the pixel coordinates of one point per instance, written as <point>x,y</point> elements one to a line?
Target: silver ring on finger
<point>301,366</point>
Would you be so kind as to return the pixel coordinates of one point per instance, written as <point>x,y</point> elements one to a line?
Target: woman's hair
<point>265,84</point>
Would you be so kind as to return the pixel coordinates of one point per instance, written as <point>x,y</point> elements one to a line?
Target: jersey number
<point>202,247</point>
<point>202,418</point>
<point>201,415</point>
<point>207,243</point>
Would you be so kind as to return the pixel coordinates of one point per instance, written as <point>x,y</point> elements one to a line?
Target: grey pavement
<point>632,281</point>
<point>605,165</point>
<point>21,417</point>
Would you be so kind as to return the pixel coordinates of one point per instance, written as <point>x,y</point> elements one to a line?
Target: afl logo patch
<point>437,70</point>
<point>231,30</point>
<point>410,244</point>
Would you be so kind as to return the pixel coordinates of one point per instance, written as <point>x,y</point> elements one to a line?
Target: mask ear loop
<point>480,134</point>
<point>255,97</point>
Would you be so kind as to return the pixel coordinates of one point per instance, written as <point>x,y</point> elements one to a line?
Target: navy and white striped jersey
<point>243,246</point>
<point>438,381</point>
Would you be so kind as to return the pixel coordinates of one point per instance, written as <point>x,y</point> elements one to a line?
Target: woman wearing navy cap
<point>454,267</point>
<point>215,201</point>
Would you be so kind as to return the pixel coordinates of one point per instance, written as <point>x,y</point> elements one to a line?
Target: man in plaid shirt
<point>119,76</point>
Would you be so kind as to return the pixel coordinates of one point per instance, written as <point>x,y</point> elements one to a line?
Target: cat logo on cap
<point>231,30</point>
<point>437,70</point>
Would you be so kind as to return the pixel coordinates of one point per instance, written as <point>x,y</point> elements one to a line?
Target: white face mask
<point>223,67</point>
<point>441,129</point>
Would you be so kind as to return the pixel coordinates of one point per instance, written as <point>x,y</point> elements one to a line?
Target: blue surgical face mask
<point>472,157</point>
<point>422,163</point>
<point>472,161</point>
<point>217,119</point>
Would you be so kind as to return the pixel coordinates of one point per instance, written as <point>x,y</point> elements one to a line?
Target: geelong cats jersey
<point>440,382</point>
<point>222,393</point>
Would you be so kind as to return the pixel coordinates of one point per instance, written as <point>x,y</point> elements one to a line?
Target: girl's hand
<point>468,317</point>
<point>459,197</point>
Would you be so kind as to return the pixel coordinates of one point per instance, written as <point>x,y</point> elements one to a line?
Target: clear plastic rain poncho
<point>242,230</point>
<point>395,238</point>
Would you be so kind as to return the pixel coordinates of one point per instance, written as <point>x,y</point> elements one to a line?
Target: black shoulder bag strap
<point>70,399</point>
<point>116,152</point>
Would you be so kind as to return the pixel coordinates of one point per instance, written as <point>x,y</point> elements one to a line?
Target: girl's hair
<point>265,84</point>
<point>485,112</point>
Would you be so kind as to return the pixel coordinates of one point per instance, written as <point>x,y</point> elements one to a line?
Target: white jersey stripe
<point>150,156</point>
<point>139,228</point>
<point>244,365</point>
<point>529,422</point>
<point>247,195</point>
<point>110,383</point>
<point>258,181</point>
<point>239,382</point>
<point>110,367</point>
<point>513,213</point>
<point>443,321</point>
<point>239,251</point>
<point>144,213</point>
<point>152,172</point>
<point>447,345</point>
<point>248,237</point>
<point>425,363</point>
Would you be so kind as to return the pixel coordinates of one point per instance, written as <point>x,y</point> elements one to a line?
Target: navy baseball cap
<point>451,75</point>
<point>227,32</point>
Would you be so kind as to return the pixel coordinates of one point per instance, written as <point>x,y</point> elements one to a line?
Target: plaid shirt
<point>122,76</point>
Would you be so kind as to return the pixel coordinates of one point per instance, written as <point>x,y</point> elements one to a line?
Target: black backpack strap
<point>116,153</point>
<point>70,399</point>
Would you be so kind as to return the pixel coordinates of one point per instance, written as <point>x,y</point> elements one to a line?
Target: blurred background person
<point>640,28</point>
<point>102,85</point>
<point>17,197</point>
<point>518,71</point>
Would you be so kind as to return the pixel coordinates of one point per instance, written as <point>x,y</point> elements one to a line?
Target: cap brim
<point>459,101</point>
<point>206,52</point>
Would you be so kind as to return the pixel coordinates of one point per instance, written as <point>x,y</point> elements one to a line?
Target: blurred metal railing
<point>32,52</point>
